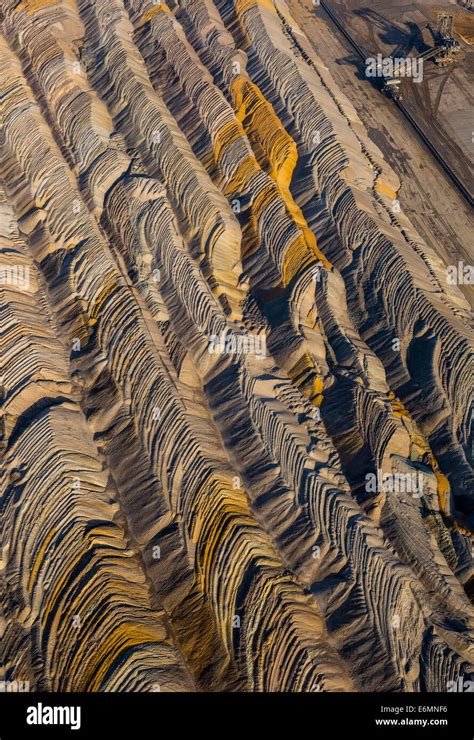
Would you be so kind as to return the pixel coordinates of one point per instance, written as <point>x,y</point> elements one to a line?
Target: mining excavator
<point>446,50</point>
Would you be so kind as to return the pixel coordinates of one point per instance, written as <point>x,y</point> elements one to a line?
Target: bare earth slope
<point>222,348</point>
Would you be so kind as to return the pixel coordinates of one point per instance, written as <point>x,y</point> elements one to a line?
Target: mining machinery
<point>446,50</point>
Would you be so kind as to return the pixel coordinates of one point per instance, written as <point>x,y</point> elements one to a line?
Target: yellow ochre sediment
<point>103,295</point>
<point>150,14</point>
<point>398,409</point>
<point>420,442</point>
<point>305,377</point>
<point>121,639</point>
<point>32,6</point>
<point>242,6</point>
<point>276,150</point>
<point>385,189</point>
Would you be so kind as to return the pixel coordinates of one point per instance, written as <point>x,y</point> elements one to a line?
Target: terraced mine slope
<point>235,384</point>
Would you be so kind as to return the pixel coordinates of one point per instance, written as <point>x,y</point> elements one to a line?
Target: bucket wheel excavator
<point>446,51</point>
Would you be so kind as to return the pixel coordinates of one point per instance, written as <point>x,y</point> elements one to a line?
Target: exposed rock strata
<point>175,516</point>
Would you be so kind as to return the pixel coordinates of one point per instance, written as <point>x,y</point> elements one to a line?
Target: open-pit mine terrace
<point>235,382</point>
